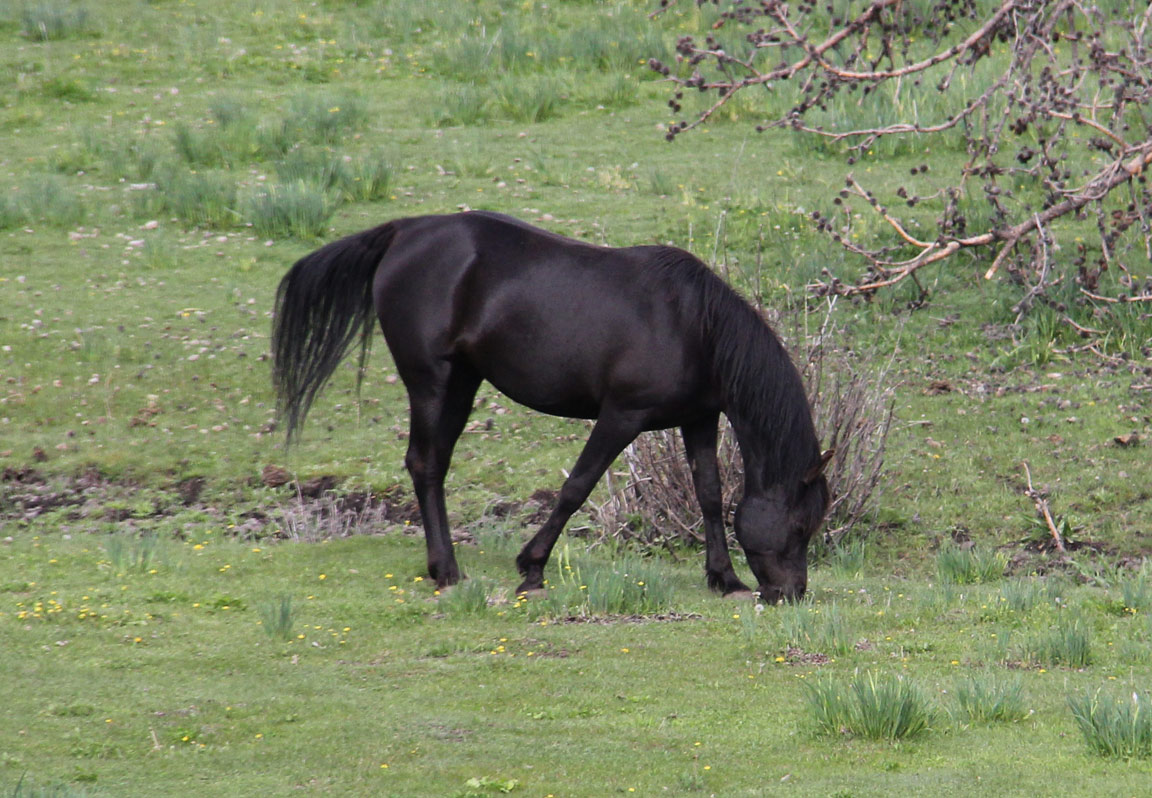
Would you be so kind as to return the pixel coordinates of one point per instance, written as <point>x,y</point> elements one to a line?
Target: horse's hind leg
<point>700,447</point>
<point>440,408</point>
<point>613,431</point>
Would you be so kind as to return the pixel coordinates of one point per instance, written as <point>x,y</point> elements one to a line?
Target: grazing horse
<point>637,338</point>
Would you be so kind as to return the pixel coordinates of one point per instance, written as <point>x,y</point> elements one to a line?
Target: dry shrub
<point>650,497</point>
<point>311,520</point>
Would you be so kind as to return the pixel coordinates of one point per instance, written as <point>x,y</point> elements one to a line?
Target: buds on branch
<point>1049,102</point>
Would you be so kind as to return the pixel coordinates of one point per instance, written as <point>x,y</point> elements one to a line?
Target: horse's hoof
<point>531,592</point>
<point>741,595</point>
<point>448,580</point>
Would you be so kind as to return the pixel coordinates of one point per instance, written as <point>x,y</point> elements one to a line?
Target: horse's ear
<point>815,471</point>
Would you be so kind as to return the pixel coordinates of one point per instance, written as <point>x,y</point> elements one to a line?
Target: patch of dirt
<point>90,499</point>
<point>317,486</point>
<point>26,494</point>
<point>401,506</point>
<point>190,489</point>
<point>798,656</point>
<point>606,620</point>
<point>23,475</point>
<point>439,731</point>
<point>1040,556</point>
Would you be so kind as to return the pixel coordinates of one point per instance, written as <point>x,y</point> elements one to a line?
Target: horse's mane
<point>762,389</point>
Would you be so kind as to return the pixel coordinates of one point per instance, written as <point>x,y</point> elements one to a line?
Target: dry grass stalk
<point>327,517</point>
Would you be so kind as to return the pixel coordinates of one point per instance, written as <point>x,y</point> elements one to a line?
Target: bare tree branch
<point>1053,101</point>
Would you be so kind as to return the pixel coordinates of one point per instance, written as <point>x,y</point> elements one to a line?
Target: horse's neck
<point>775,455</point>
<point>752,452</point>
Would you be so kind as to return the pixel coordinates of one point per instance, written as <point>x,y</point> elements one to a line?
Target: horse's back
<point>557,324</point>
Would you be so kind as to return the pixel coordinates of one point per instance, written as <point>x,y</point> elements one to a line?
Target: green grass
<point>470,597</point>
<point>1117,728</point>
<point>990,699</point>
<point>51,21</point>
<point>1136,590</point>
<point>276,651</point>
<point>1021,595</point>
<point>172,623</point>
<point>1067,642</point>
<point>873,706</point>
<point>197,199</point>
<point>823,630</point>
<point>278,619</point>
<point>286,210</point>
<point>969,566</point>
<point>583,587</point>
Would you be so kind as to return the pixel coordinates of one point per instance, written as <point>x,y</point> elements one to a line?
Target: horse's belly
<point>662,389</point>
<point>553,394</point>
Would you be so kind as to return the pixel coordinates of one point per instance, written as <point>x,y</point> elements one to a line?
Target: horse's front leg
<point>612,432</point>
<point>700,448</point>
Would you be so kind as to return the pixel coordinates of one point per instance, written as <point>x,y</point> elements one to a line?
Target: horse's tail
<point>323,304</point>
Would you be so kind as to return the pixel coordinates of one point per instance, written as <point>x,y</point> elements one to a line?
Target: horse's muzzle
<point>790,592</point>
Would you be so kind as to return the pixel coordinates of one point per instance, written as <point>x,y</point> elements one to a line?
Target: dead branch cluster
<point>1052,99</point>
<point>650,498</point>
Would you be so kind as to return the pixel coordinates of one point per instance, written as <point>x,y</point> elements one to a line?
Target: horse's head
<point>774,528</point>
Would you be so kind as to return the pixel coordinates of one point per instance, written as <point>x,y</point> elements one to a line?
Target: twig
<point>1042,507</point>
<point>1084,331</point>
<point>1113,300</point>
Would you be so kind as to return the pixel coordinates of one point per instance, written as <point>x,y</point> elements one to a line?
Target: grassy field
<point>168,622</point>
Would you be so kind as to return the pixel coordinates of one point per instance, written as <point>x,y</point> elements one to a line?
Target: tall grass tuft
<point>277,618</point>
<point>822,629</point>
<point>533,100</point>
<point>202,199</point>
<point>272,138</point>
<point>1116,728</point>
<point>228,112</point>
<point>988,699</point>
<point>198,147</point>
<point>80,155</point>
<point>1067,643</point>
<point>1021,595</point>
<point>53,21</point>
<point>497,536</point>
<point>618,91</point>
<point>10,213</point>
<point>43,199</point>
<point>877,707</point>
<point>660,183</point>
<point>465,104</point>
<point>969,566</point>
<point>367,179</point>
<point>134,161</point>
<point>326,118</point>
<point>847,557</point>
<point>1136,590</point>
<point>322,168</point>
<point>629,586</point>
<point>299,209</point>
<point>469,597</point>
<point>129,553</point>
<point>26,789</point>
<point>355,179</point>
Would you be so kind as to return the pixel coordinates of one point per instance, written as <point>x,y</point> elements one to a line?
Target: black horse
<point>638,338</point>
